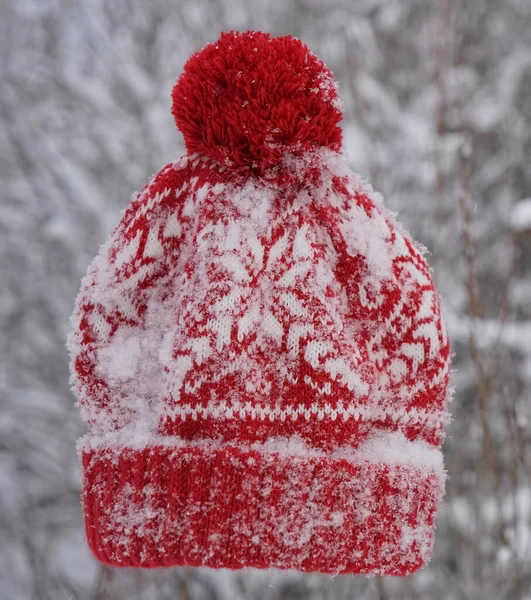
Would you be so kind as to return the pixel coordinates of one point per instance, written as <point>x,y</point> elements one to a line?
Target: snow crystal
<point>329,86</point>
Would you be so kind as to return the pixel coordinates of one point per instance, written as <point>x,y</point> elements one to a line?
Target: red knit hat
<point>258,349</point>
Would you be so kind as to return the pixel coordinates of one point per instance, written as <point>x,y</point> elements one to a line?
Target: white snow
<point>520,218</point>
<point>381,447</point>
<point>394,448</point>
<point>368,235</point>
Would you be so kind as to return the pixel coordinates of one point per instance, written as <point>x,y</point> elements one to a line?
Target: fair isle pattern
<point>244,310</point>
<point>271,314</point>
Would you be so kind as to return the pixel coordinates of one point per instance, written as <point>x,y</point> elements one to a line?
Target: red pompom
<point>249,98</point>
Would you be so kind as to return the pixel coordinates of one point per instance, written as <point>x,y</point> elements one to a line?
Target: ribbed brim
<point>234,508</point>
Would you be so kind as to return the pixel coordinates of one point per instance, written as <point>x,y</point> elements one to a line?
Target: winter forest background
<point>438,118</point>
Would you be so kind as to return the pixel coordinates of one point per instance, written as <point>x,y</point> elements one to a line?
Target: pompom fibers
<point>249,98</point>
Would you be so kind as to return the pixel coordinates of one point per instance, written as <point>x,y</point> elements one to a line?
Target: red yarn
<point>238,508</point>
<point>248,99</point>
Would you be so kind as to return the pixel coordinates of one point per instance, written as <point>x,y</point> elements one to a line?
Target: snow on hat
<point>258,349</point>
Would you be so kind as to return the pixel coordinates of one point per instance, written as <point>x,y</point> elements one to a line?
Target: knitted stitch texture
<point>258,348</point>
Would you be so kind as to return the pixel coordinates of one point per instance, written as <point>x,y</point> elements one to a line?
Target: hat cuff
<point>233,507</point>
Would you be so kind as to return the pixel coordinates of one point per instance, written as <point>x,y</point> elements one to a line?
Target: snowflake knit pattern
<point>258,349</point>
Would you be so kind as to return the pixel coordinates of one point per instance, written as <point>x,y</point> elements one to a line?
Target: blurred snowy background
<point>438,118</point>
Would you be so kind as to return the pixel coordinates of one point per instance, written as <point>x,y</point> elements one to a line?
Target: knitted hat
<point>258,349</point>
